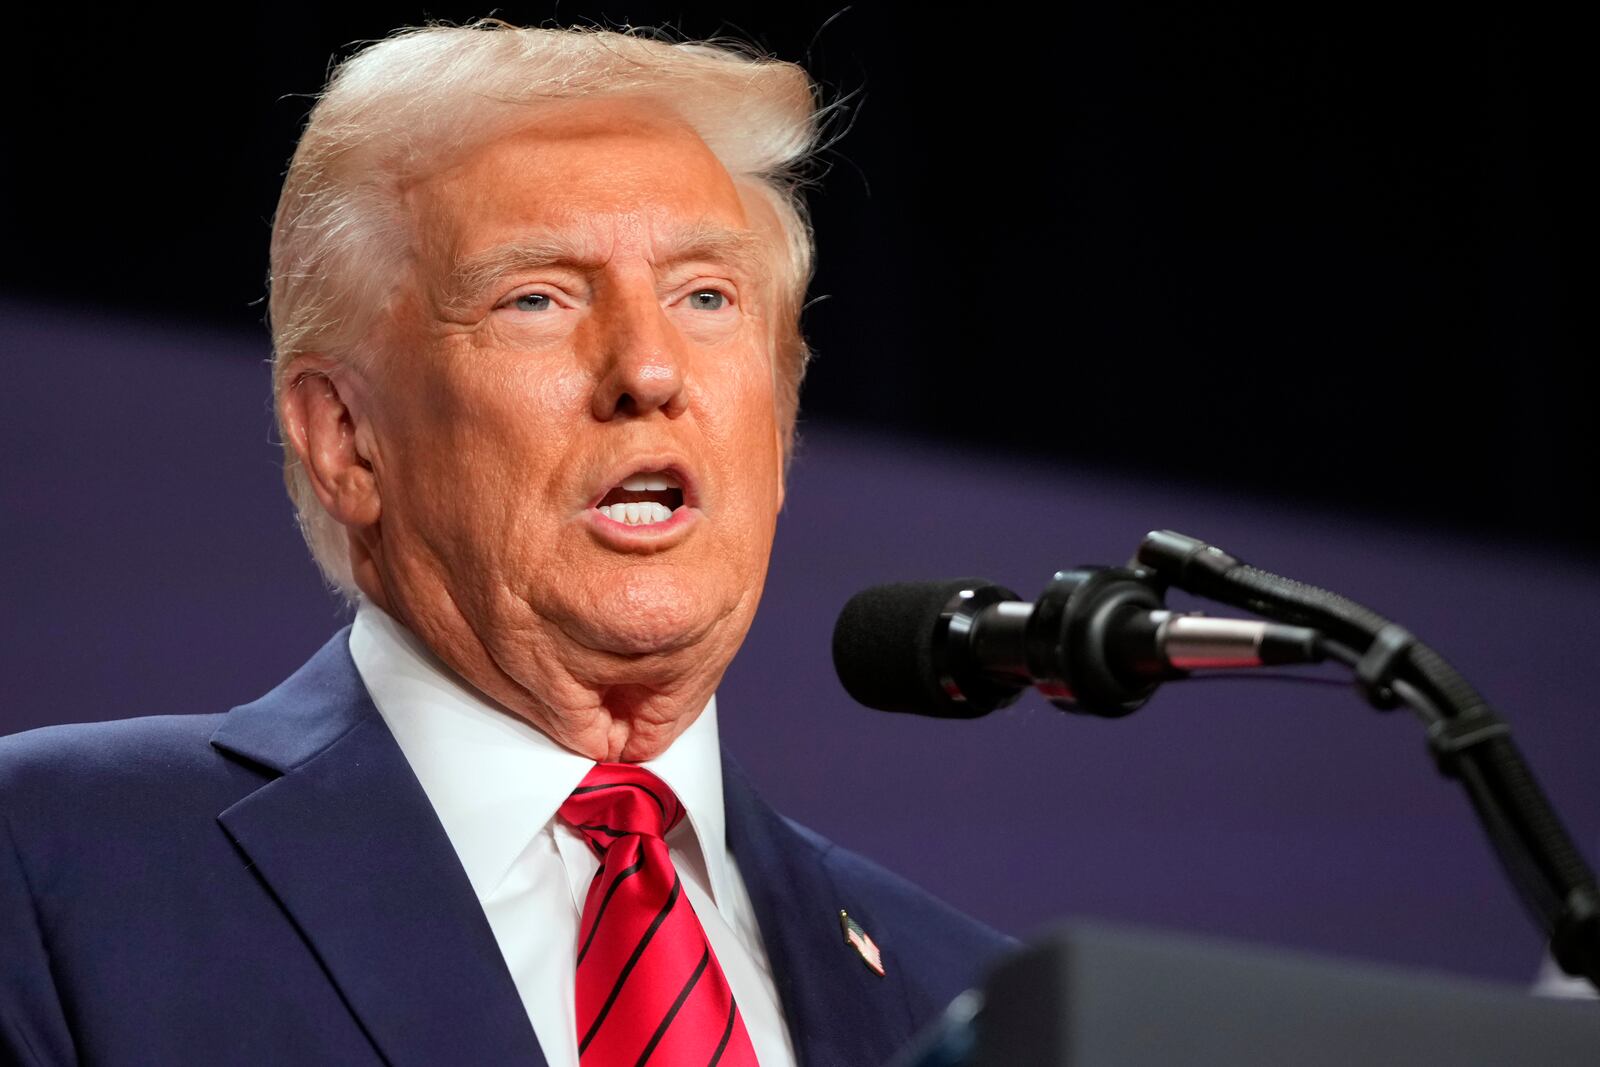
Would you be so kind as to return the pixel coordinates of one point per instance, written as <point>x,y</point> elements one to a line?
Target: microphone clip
<point>1091,643</point>
<point>1088,644</point>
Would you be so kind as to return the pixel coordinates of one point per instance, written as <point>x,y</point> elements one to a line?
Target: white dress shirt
<point>496,782</point>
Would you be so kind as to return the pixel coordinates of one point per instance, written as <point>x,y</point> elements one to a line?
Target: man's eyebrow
<point>476,272</point>
<point>745,251</point>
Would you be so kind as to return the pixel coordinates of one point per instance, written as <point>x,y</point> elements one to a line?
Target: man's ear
<point>332,445</point>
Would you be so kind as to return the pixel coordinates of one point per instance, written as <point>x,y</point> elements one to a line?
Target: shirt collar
<point>692,768</point>
<point>495,779</point>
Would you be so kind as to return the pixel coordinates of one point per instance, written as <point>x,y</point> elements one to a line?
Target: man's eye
<point>531,302</point>
<point>708,300</point>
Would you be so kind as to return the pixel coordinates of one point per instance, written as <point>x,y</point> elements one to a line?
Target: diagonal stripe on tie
<point>677,1006</point>
<point>648,985</point>
<point>627,968</point>
<point>600,912</point>
<point>727,1032</point>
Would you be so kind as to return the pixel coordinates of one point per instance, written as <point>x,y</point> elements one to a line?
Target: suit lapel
<point>839,1012</point>
<point>352,851</point>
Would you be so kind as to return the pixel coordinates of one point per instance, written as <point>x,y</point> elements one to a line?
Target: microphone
<point>1099,640</point>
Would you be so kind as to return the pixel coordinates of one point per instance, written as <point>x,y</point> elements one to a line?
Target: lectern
<point>1089,995</point>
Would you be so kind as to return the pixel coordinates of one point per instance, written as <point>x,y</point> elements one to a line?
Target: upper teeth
<point>639,514</point>
<point>639,483</point>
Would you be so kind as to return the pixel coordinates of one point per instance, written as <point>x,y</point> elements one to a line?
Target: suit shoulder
<point>85,745</point>
<point>98,809</point>
<point>105,758</point>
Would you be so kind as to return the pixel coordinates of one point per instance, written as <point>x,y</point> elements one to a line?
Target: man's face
<point>588,325</point>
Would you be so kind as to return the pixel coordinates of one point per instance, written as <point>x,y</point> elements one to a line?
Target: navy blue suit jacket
<point>271,885</point>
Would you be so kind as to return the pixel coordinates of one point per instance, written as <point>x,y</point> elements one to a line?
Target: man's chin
<point>638,642</point>
<point>647,611</point>
<point>659,630</point>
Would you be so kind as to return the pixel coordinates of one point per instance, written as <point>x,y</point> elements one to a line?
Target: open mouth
<point>642,499</point>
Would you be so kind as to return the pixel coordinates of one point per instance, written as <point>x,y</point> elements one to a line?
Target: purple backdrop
<point>151,566</point>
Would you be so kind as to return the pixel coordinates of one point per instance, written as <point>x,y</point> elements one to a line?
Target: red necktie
<point>649,988</point>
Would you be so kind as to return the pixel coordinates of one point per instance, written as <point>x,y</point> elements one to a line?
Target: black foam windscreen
<point>883,645</point>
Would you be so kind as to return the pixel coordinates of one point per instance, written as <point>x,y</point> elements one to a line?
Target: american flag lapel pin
<point>857,939</point>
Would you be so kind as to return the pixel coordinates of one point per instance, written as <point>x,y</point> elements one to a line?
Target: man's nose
<point>643,362</point>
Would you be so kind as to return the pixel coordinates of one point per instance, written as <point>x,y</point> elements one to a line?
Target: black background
<point>1295,250</point>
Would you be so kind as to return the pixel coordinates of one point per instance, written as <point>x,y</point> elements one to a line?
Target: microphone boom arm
<point>1470,743</point>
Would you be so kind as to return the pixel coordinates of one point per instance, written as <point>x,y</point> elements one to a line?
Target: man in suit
<point>535,301</point>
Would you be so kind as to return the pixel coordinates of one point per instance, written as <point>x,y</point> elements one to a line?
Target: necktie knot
<point>616,800</point>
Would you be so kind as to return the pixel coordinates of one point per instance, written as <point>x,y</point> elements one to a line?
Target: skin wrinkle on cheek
<point>524,636</point>
<point>542,714</point>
